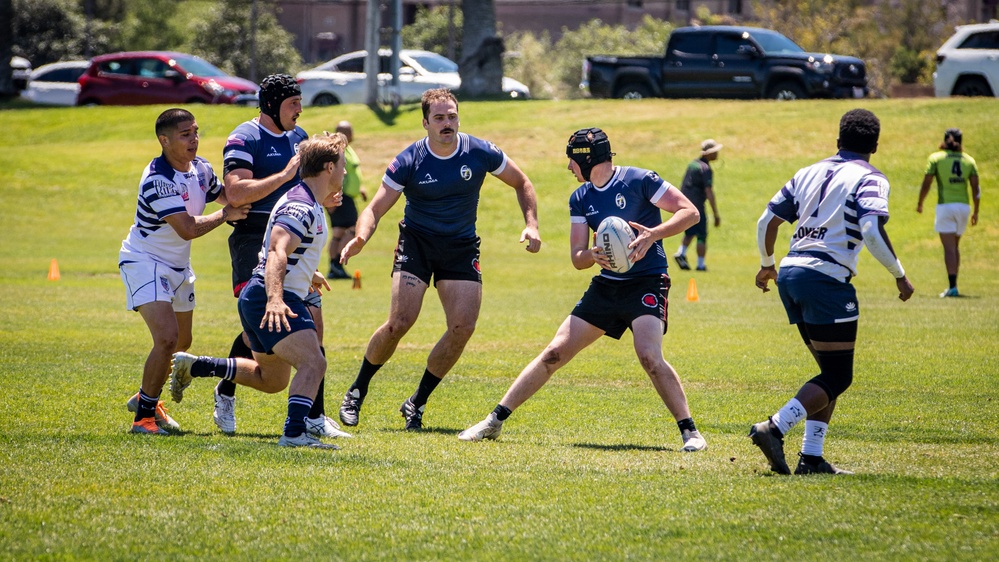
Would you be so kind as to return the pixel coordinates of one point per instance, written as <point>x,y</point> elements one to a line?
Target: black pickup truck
<point>726,62</point>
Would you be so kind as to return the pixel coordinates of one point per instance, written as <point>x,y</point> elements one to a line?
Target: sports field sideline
<point>587,469</point>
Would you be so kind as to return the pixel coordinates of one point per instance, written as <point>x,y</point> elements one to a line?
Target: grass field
<point>589,469</point>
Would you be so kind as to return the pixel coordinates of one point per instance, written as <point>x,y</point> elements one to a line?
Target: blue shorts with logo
<point>816,298</point>
<point>612,305</point>
<point>252,306</point>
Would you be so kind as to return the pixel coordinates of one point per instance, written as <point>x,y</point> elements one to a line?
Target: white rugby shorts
<point>147,282</point>
<point>952,218</point>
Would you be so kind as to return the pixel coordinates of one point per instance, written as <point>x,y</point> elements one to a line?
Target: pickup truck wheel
<point>786,90</point>
<point>324,100</point>
<point>973,86</point>
<point>633,91</point>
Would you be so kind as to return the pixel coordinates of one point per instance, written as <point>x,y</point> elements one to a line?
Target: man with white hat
<point>698,186</point>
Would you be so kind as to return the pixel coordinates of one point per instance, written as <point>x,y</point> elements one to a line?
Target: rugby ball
<point>613,236</point>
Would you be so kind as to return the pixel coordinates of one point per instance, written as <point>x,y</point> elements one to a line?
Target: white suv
<point>968,62</point>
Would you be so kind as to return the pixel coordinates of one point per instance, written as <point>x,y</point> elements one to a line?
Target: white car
<point>342,80</point>
<point>968,62</point>
<point>56,83</point>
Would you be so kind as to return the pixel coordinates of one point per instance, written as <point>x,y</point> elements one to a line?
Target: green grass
<point>587,469</point>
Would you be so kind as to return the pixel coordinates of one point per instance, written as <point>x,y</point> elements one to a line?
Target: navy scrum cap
<point>587,148</point>
<point>273,91</point>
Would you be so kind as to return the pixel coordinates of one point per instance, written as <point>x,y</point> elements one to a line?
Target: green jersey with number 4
<point>952,170</point>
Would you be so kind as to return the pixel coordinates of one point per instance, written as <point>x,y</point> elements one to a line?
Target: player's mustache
<point>447,131</point>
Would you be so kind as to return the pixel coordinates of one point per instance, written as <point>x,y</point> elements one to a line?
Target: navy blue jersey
<point>630,194</point>
<point>252,147</point>
<point>442,194</point>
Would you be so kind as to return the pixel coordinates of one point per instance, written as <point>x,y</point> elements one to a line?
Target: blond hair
<point>318,150</point>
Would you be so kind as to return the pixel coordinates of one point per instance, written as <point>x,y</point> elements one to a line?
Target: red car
<point>148,77</point>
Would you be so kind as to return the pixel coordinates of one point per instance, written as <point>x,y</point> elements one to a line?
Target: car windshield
<point>433,62</point>
<point>773,42</point>
<point>198,67</point>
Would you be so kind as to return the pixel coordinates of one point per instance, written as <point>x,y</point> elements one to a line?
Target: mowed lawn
<point>590,468</point>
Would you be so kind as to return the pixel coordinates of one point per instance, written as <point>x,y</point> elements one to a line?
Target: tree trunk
<point>481,64</point>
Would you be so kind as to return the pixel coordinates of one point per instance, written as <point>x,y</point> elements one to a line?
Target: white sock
<point>815,438</point>
<point>792,413</point>
<point>700,261</point>
<point>682,250</point>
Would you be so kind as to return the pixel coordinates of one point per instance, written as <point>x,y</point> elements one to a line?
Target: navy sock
<point>147,406</point>
<point>298,408</point>
<point>686,425</point>
<point>364,375</point>
<point>811,459</point>
<point>239,349</point>
<point>205,366</point>
<point>427,385</point>
<point>502,412</point>
<point>952,279</point>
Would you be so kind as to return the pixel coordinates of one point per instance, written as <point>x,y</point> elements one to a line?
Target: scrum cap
<point>273,91</point>
<point>587,148</point>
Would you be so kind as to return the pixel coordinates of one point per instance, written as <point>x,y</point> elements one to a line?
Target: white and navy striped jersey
<point>250,146</point>
<point>631,194</point>
<point>299,213</point>
<point>442,194</point>
<point>164,191</point>
<point>828,199</point>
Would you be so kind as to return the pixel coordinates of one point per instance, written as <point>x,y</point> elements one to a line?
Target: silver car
<point>56,83</point>
<point>968,62</point>
<point>342,80</point>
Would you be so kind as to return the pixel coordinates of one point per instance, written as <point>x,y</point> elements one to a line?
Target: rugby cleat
<point>413,415</point>
<point>952,292</point>
<point>693,442</point>
<point>148,426</point>
<point>305,440</point>
<point>180,374</point>
<point>821,467</point>
<point>766,436</point>
<point>224,415</point>
<point>681,260</point>
<point>350,408</point>
<point>324,427</point>
<point>488,428</point>
<point>163,420</point>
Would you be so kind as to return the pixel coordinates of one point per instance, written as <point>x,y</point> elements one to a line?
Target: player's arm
<point>873,229</point>
<point>766,238</point>
<point>924,190</point>
<point>367,221</point>
<point>241,188</point>
<point>513,176</point>
<point>277,312</point>
<point>976,198</point>
<point>709,192</point>
<point>684,215</point>
<point>583,252</point>
<point>190,227</point>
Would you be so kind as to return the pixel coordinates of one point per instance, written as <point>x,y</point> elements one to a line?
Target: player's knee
<point>463,331</point>
<point>650,359</point>
<point>837,372</point>
<point>167,341</point>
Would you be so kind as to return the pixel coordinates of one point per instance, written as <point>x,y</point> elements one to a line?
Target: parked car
<point>342,80</point>
<point>147,77</point>
<point>56,83</point>
<point>726,62</point>
<point>20,68</point>
<point>968,62</point>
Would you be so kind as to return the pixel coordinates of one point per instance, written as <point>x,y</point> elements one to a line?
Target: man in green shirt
<point>344,217</point>
<point>954,170</point>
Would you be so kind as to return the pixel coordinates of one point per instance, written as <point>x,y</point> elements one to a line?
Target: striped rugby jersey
<point>299,213</point>
<point>163,191</point>
<point>827,200</point>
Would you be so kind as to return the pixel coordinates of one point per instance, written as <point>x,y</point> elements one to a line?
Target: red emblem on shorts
<point>475,266</point>
<point>650,300</point>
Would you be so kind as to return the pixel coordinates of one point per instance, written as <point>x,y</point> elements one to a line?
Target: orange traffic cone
<point>692,291</point>
<point>54,270</point>
<point>357,279</point>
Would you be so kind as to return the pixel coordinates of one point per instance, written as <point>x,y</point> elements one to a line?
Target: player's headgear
<point>587,148</point>
<point>273,91</point>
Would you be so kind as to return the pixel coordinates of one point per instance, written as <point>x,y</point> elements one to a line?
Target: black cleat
<point>413,415</point>
<point>766,436</point>
<point>681,260</point>
<point>350,408</point>
<point>821,467</point>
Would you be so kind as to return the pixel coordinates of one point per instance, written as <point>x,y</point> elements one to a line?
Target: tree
<point>431,30</point>
<point>481,62</point>
<point>6,47</point>
<point>223,39</point>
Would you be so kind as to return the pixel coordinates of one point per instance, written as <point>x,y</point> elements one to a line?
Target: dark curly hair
<point>859,130</point>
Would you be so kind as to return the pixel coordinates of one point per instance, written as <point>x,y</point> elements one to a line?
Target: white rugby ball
<point>613,236</point>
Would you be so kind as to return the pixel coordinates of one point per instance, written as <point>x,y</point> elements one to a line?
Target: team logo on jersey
<point>466,173</point>
<point>653,176</point>
<point>650,300</point>
<point>591,211</point>
<point>427,179</point>
<point>165,284</point>
<point>164,188</point>
<point>494,148</point>
<point>620,201</point>
<point>273,152</point>
<point>295,146</point>
<point>190,298</point>
<point>851,307</point>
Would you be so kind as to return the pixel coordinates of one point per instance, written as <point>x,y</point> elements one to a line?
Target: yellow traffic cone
<point>692,291</point>
<point>54,270</point>
<point>357,279</point>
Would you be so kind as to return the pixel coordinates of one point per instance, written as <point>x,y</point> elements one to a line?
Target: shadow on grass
<point>622,447</point>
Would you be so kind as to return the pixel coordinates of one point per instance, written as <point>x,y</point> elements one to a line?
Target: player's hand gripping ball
<point>613,236</point>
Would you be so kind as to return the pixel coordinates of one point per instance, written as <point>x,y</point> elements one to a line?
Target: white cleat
<point>225,412</point>
<point>305,440</point>
<point>180,374</point>
<point>324,426</point>
<point>693,442</point>
<point>488,428</point>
